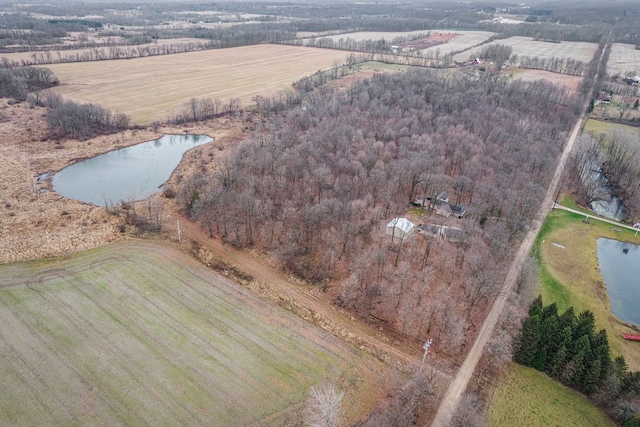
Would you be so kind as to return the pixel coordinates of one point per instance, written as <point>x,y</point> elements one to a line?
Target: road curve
<point>459,384</point>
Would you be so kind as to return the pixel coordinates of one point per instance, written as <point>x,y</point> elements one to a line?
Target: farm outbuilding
<point>400,230</point>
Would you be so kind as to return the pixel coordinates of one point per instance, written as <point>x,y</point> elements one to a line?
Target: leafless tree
<point>324,406</point>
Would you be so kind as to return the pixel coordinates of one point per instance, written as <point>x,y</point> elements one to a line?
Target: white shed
<point>400,230</point>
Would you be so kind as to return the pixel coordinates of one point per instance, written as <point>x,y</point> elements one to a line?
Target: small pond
<point>127,174</point>
<point>620,269</point>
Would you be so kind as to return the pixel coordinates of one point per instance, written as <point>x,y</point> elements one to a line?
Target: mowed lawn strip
<point>570,276</point>
<point>138,333</point>
<point>526,397</point>
<point>151,88</point>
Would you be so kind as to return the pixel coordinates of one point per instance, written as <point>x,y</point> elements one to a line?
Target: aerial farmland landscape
<point>320,214</point>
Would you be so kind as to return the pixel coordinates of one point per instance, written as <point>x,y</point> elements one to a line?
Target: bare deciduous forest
<point>315,186</point>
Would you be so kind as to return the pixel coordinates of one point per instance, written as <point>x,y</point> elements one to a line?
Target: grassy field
<point>623,58</point>
<point>598,127</point>
<point>138,333</point>
<point>526,397</point>
<point>570,275</point>
<point>526,46</point>
<point>151,88</point>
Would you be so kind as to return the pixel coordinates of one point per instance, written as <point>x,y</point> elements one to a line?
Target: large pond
<point>620,269</point>
<point>127,174</point>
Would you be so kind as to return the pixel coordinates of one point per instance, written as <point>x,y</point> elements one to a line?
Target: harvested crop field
<point>463,40</point>
<point>623,58</point>
<point>138,333</point>
<point>151,88</point>
<point>526,46</point>
<point>528,75</point>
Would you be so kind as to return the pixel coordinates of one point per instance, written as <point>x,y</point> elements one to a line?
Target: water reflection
<point>132,173</point>
<point>620,269</point>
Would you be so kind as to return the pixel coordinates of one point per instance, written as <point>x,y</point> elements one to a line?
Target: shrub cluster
<point>17,82</point>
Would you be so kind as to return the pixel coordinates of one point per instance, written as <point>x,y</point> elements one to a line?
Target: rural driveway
<point>597,218</point>
<point>459,384</point>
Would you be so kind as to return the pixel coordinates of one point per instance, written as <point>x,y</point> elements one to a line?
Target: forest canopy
<point>315,185</point>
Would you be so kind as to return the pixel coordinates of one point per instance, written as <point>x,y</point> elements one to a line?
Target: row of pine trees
<point>568,348</point>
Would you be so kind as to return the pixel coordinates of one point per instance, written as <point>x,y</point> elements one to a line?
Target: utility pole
<point>426,350</point>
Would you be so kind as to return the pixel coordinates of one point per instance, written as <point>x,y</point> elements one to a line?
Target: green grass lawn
<point>570,275</point>
<point>598,127</point>
<point>526,397</point>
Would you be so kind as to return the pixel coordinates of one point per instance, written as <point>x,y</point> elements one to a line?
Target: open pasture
<point>151,88</point>
<point>526,46</point>
<point>623,58</point>
<point>138,333</point>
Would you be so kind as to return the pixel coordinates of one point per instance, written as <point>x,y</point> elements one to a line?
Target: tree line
<point>568,348</point>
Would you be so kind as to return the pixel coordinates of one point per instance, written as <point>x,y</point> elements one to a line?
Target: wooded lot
<point>316,185</point>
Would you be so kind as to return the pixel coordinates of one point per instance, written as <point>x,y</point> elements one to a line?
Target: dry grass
<point>526,397</point>
<point>138,333</point>
<point>151,88</point>
<point>571,275</point>
<point>623,58</point>
<point>37,223</point>
<point>525,46</point>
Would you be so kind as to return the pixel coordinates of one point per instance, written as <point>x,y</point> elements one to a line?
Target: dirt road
<point>459,384</point>
<point>307,302</point>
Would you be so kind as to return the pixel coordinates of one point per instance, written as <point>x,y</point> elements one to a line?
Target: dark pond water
<point>620,269</point>
<point>132,173</point>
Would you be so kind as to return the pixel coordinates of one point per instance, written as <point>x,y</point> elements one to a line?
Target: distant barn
<point>400,230</point>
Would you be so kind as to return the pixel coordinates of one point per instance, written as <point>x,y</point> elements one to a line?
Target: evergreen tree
<point>574,371</point>
<point>568,318</point>
<point>528,342</point>
<point>550,335</point>
<point>585,325</point>
<point>592,379</point>
<point>558,362</point>
<point>536,304</point>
